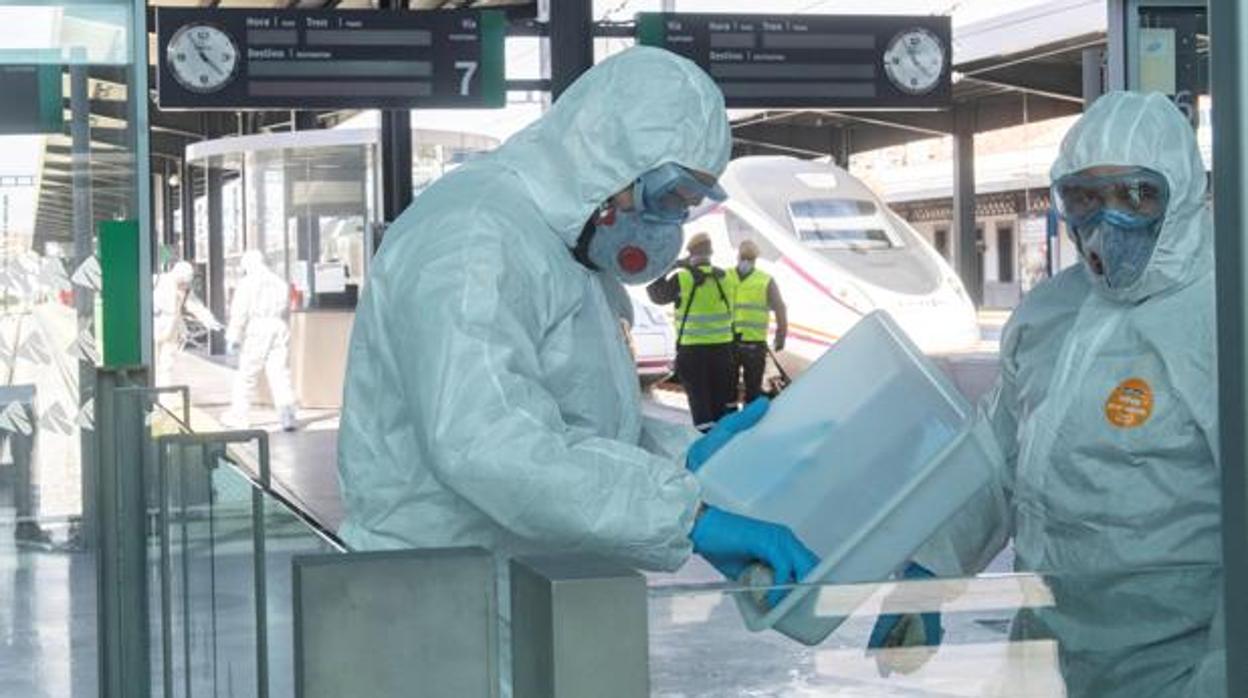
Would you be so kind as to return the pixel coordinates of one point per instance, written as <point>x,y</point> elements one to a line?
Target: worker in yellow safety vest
<point>757,297</point>
<point>705,360</point>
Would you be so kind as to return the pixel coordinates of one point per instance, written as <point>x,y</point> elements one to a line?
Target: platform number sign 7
<point>470,69</point>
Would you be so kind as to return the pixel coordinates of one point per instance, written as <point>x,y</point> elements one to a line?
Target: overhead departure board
<point>814,61</point>
<point>242,59</point>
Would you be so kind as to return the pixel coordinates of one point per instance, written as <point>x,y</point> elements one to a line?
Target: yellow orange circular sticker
<point>1130,404</point>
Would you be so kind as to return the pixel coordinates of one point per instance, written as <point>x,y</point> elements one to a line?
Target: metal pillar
<point>1093,61</point>
<point>966,247</point>
<point>578,628</point>
<point>84,297</point>
<point>396,151</point>
<point>1116,58</point>
<point>307,247</point>
<point>166,204</point>
<point>141,196</point>
<point>123,447</point>
<point>571,30</point>
<point>186,189</point>
<point>216,252</point>
<point>1229,25</point>
<point>396,163</point>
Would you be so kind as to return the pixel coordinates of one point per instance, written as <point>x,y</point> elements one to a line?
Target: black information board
<point>241,59</point>
<point>814,61</point>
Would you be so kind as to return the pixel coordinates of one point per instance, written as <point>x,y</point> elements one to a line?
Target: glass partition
<point>1011,635</point>
<point>70,157</point>
<point>225,546</point>
<point>309,201</point>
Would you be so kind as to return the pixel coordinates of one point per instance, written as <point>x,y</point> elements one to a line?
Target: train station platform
<point>304,462</point>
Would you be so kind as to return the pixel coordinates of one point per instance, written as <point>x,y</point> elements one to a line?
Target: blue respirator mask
<point>640,244</point>
<point>1116,220</point>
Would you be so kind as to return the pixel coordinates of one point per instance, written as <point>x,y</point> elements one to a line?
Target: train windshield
<point>843,224</point>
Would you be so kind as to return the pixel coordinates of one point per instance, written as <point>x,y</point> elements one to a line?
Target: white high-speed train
<point>837,253</point>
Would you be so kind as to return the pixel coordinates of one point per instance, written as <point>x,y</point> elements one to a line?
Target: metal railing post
<point>121,523</point>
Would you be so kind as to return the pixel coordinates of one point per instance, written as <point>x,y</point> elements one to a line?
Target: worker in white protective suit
<point>1105,415</point>
<point>259,332</point>
<point>172,299</point>
<point>490,397</point>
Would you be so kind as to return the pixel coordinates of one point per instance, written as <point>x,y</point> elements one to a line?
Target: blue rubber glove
<point>731,543</point>
<point>882,634</point>
<point>723,431</point>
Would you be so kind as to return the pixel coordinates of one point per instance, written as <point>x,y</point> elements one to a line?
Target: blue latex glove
<point>731,543</point>
<point>886,624</point>
<point>723,431</point>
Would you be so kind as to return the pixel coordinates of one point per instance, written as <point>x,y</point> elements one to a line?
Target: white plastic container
<point>863,457</point>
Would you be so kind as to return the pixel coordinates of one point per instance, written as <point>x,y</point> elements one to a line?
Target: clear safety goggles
<point>1135,199</point>
<point>667,193</point>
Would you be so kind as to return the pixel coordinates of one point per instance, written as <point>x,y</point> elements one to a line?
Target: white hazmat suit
<point>258,326</point>
<point>1106,418</point>
<point>490,396</point>
<point>172,299</point>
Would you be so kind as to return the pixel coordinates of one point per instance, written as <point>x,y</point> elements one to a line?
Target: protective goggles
<point>666,193</point>
<point>1132,200</point>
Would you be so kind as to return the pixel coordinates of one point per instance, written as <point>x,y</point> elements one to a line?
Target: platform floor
<point>699,646</point>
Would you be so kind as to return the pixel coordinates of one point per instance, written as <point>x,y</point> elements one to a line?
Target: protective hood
<point>634,111</point>
<point>1145,130</point>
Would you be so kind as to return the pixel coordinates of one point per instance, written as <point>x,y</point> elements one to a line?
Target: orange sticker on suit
<point>1130,404</point>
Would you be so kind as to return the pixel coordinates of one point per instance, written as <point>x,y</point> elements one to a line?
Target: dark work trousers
<point>751,363</point>
<point>707,372</point>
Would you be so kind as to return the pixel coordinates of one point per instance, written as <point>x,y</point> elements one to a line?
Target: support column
<point>1228,22</point>
<point>571,30</point>
<point>1093,75</point>
<point>396,151</point>
<point>840,147</point>
<point>1116,40</point>
<point>84,297</point>
<point>396,163</point>
<point>166,203</point>
<point>966,246</point>
<point>121,563</point>
<point>216,252</point>
<point>187,191</point>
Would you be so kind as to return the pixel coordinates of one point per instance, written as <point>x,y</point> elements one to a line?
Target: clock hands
<point>203,55</point>
<point>914,60</point>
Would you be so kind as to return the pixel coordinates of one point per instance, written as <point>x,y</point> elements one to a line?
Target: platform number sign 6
<point>465,81</point>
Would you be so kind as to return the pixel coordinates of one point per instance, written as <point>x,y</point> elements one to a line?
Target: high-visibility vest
<point>709,319</point>
<point>751,313</point>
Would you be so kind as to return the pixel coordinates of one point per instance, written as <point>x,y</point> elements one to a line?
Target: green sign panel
<point>32,99</point>
<point>121,282</point>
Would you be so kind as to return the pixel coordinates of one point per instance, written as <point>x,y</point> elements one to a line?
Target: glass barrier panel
<point>165,416</point>
<point>286,535</point>
<point>208,575</point>
<point>1013,635</point>
<point>64,169</point>
<point>223,576</point>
